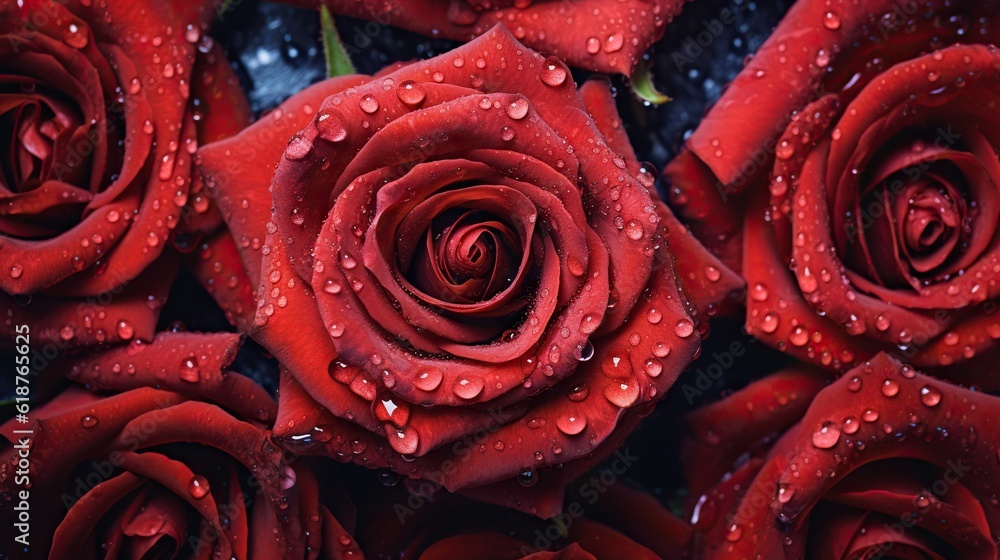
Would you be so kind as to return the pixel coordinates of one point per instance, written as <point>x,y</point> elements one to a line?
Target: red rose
<point>182,470</point>
<point>602,36</point>
<point>458,252</point>
<point>99,125</point>
<point>885,463</point>
<point>612,523</point>
<point>855,160</point>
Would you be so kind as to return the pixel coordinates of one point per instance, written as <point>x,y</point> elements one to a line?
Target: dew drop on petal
<point>826,436</point>
<point>850,425</point>
<point>831,21</point>
<point>890,388</point>
<point>469,387</point>
<point>578,393</point>
<point>428,379</point>
<point>622,394</point>
<point>189,370</point>
<point>930,396</point>
<point>410,93</point>
<point>684,328</point>
<point>368,103</point>
<point>553,72</point>
<point>571,424</point>
<point>769,323</point>
<point>854,384</point>
<point>517,109</point>
<point>198,487</point>
<point>527,478</point>
<point>125,330</point>
<point>331,128</point>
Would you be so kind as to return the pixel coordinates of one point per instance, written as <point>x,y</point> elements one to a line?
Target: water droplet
<point>769,323</point>
<point>75,36</point>
<point>882,323</point>
<point>571,424</point>
<point>930,396</point>
<point>404,441</point>
<point>553,72</point>
<point>330,127</point>
<point>192,34</point>
<point>507,134</point>
<point>921,501</point>
<point>784,150</point>
<point>831,21</point>
<point>368,104</point>
<point>869,415</point>
<point>88,421</point>
<point>622,394</point>
<point>593,45</point>
<point>822,58</point>
<point>189,370</point>
<point>388,478</point>
<point>799,336</point>
<point>536,423</point>
<point>616,367</point>
<point>807,281</point>
<point>578,393</point>
<point>517,109</point>
<point>16,270</point>
<point>633,229</point>
<point>759,292</point>
<point>428,379</point>
<point>785,493</point>
<point>712,273</point>
<point>527,478</point>
<point>890,388</point>
<point>684,328</point>
<point>410,93</point>
<point>654,316</point>
<point>332,287</point>
<point>198,487</point>
<point>652,367</point>
<point>850,425</point>
<point>735,533</point>
<point>124,330</point>
<point>469,387</point>
<point>826,436</point>
<point>854,385</point>
<point>614,43</point>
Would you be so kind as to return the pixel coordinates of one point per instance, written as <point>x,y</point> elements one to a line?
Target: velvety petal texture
<point>885,462</point>
<point>851,173</point>
<point>166,454</point>
<point>459,246</point>
<point>609,37</point>
<point>102,108</point>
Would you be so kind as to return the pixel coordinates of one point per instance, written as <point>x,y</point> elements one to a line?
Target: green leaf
<point>642,85</point>
<point>222,9</point>
<point>337,61</point>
